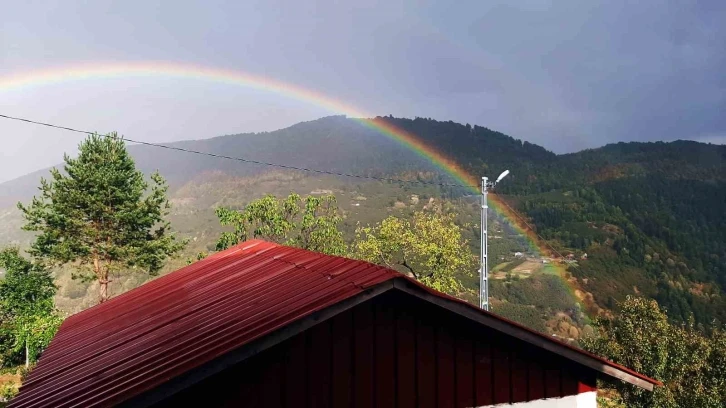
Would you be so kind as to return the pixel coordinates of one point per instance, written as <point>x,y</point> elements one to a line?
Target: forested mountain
<point>665,203</point>
<point>650,216</point>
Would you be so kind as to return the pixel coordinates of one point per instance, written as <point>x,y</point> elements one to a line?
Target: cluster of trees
<point>428,247</point>
<point>310,224</point>
<point>28,318</point>
<point>691,363</point>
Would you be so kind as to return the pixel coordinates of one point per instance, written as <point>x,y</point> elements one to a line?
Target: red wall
<point>394,351</point>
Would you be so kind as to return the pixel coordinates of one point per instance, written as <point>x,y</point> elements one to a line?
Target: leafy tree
<point>99,215</point>
<point>310,224</point>
<point>691,365</point>
<point>429,247</point>
<point>29,318</point>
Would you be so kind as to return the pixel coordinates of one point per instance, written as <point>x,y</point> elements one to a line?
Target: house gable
<point>392,350</point>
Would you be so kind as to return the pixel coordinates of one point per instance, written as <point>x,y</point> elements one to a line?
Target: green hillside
<point>648,215</point>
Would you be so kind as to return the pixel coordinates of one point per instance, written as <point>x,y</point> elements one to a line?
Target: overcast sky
<point>567,75</point>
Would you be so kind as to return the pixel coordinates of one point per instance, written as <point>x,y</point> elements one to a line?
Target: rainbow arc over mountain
<point>90,71</point>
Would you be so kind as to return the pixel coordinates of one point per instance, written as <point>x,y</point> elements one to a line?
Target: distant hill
<point>650,216</point>
<point>335,143</point>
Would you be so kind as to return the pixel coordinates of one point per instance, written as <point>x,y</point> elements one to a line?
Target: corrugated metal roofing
<point>141,339</point>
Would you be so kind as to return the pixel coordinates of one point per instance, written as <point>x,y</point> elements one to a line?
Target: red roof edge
<point>410,282</point>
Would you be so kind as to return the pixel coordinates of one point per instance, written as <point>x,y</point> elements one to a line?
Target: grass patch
<point>511,265</point>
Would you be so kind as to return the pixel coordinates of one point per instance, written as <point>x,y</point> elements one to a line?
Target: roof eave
<point>529,336</point>
<point>409,287</point>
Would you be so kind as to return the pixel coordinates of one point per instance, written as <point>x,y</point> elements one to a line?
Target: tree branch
<point>407,266</point>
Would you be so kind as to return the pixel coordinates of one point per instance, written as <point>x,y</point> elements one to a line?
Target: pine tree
<point>99,215</point>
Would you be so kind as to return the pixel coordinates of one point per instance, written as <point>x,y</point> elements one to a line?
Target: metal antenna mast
<point>484,255</point>
<point>484,269</point>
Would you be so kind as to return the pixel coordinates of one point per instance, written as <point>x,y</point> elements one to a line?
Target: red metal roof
<point>160,330</point>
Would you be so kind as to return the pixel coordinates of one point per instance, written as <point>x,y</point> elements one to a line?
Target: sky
<point>567,75</point>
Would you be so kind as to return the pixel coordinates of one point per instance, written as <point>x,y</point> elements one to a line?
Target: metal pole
<point>484,268</point>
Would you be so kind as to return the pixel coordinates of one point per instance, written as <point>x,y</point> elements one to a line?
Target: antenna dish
<point>501,176</point>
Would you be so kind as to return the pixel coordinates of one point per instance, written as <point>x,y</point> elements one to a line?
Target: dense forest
<point>650,216</point>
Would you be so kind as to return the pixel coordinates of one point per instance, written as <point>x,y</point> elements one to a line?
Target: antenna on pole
<point>484,271</point>
<point>484,255</point>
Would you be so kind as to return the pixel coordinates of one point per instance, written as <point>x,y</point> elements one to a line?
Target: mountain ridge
<point>17,188</point>
<point>333,134</point>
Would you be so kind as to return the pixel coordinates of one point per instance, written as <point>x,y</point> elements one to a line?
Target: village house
<point>264,325</point>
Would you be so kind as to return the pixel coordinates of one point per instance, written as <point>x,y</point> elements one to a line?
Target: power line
<point>240,159</point>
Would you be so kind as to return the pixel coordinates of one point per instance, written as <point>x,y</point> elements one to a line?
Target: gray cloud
<point>565,74</point>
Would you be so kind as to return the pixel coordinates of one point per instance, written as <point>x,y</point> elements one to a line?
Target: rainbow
<point>447,165</point>
<point>236,78</point>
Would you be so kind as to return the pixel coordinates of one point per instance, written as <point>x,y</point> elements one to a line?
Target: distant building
<point>264,325</point>
<point>518,255</point>
<point>319,192</point>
